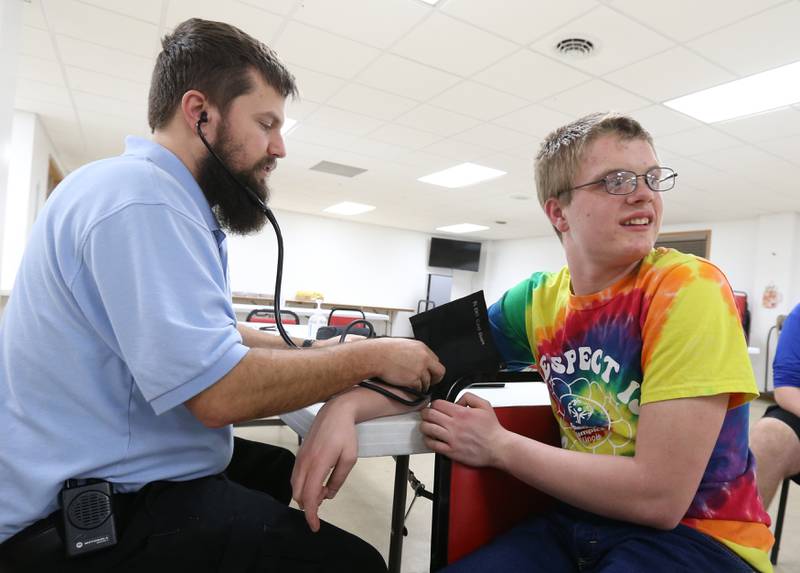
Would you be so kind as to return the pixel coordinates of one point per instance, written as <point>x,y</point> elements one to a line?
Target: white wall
<point>348,262</point>
<point>511,261</point>
<point>31,150</point>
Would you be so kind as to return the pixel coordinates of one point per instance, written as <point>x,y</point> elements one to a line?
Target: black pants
<point>233,522</point>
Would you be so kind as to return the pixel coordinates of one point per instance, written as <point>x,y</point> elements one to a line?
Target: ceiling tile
<point>423,162</point>
<point>299,109</point>
<point>34,90</point>
<point>342,121</point>
<point>104,60</point>
<point>318,136</point>
<point>371,102</point>
<point>660,120</point>
<point>670,74</point>
<point>768,125</point>
<point>465,51</point>
<point>148,10</point>
<point>761,42</point>
<point>670,18</point>
<point>113,127</point>
<point>37,43</point>
<point>388,19</point>
<point>437,120</point>
<point>103,85</point>
<point>375,148</point>
<point>520,21</point>
<point>315,86</point>
<point>459,151</point>
<point>785,147</point>
<point>694,176</point>
<point>524,153</point>
<point>323,52</point>
<point>47,71</point>
<point>594,96</point>
<point>696,141</point>
<point>88,102</point>
<point>282,7</point>
<point>477,100</point>
<point>258,23</point>
<point>534,120</point>
<point>403,136</point>
<point>32,15</point>
<point>99,26</point>
<point>496,138</point>
<point>305,153</point>
<point>64,114</point>
<point>753,164</point>
<point>514,166</point>
<point>619,41</point>
<point>403,77</point>
<point>522,74</point>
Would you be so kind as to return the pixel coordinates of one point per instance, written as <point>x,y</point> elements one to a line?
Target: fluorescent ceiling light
<point>431,2</point>
<point>349,208</point>
<point>288,126</point>
<point>462,175</point>
<point>760,92</point>
<point>462,228</point>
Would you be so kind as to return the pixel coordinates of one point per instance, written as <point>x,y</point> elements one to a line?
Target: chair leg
<point>773,557</point>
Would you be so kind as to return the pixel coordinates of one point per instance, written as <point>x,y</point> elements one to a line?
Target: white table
<point>293,330</point>
<point>399,436</point>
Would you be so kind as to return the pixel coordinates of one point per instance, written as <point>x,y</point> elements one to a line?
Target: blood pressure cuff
<point>458,333</point>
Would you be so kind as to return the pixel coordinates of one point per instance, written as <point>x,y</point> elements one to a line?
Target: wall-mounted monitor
<point>452,254</point>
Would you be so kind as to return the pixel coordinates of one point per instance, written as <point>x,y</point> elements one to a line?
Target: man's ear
<point>193,104</point>
<point>556,214</point>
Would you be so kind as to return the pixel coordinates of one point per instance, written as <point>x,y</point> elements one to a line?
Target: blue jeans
<point>571,540</point>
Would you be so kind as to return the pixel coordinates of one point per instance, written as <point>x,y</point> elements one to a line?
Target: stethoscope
<point>419,397</point>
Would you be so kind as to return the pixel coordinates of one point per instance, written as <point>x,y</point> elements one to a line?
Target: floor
<point>363,506</point>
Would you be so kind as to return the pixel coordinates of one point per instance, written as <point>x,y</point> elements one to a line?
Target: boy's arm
<point>655,487</point>
<point>331,446</point>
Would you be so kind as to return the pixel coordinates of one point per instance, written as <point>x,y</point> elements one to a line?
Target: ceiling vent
<point>575,48</point>
<point>337,169</point>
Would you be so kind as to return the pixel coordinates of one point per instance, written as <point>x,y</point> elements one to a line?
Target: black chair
<point>781,514</point>
<point>268,315</point>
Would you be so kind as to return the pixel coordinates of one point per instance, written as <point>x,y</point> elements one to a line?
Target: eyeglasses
<point>625,182</point>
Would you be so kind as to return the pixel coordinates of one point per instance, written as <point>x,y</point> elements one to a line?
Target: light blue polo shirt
<point>121,311</point>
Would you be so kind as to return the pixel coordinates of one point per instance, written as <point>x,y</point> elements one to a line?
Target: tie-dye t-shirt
<point>668,330</point>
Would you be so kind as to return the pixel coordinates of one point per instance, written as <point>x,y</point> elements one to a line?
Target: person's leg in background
<point>775,443</point>
<point>262,467</point>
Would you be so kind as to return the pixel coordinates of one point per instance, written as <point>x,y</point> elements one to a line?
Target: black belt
<point>43,540</point>
<point>38,542</point>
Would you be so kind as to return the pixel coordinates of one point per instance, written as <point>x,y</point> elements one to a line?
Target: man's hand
<point>332,444</point>
<point>467,431</point>
<point>406,362</point>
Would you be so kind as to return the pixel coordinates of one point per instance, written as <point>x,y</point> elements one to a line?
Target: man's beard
<point>234,208</point>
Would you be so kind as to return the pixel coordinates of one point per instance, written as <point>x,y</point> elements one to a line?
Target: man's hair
<point>562,151</point>
<point>216,59</point>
